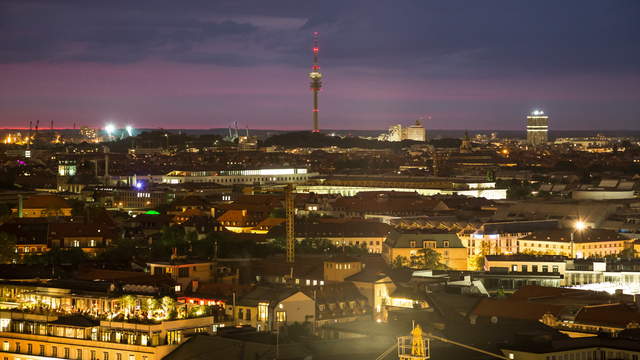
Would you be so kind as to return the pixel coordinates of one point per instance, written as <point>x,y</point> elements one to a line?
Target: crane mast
<point>289,208</point>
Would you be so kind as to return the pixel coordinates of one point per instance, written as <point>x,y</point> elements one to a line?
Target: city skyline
<point>207,65</point>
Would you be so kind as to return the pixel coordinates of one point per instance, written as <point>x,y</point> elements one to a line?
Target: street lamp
<point>578,226</point>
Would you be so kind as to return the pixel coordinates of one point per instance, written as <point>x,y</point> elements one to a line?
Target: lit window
<point>263,311</point>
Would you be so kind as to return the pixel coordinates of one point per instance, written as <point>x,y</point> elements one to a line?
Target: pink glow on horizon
<point>275,97</point>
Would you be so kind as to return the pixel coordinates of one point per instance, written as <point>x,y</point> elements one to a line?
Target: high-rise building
<point>395,133</point>
<point>537,128</point>
<point>415,132</point>
<point>316,81</point>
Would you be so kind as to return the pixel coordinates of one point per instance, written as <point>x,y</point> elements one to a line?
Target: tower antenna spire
<point>316,81</point>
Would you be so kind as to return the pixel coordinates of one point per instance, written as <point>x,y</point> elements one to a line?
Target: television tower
<point>316,81</point>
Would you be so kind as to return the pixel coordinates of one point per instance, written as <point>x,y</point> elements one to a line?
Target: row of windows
<point>577,246</point>
<point>429,244</point>
<point>339,266</point>
<point>534,268</point>
<point>77,243</point>
<point>31,249</point>
<point>594,355</point>
<point>65,352</point>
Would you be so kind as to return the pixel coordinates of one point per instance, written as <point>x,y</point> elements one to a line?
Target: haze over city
<point>207,64</point>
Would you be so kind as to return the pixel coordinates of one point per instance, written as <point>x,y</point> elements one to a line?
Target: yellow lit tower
<point>316,81</point>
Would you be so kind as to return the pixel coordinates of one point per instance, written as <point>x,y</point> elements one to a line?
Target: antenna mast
<point>316,81</point>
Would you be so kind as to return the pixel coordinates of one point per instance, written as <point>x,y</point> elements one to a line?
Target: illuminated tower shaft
<point>316,81</point>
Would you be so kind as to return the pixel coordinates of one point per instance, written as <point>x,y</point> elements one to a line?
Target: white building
<point>415,132</point>
<point>231,177</point>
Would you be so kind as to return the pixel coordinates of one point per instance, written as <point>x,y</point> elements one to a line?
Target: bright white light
<point>537,112</point>
<point>139,185</point>
<point>129,129</point>
<point>110,129</point>
<point>580,225</point>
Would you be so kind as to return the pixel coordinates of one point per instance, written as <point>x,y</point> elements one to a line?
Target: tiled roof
<point>513,227</point>
<point>60,230</point>
<point>564,235</point>
<point>129,277</point>
<point>353,228</point>
<point>397,239</point>
<point>45,201</point>
<point>618,315</point>
<point>389,202</point>
<point>271,294</point>
<point>515,309</point>
<point>531,292</point>
<point>27,233</point>
<point>240,218</point>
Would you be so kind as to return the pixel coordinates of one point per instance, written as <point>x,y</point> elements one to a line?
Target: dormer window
<point>445,243</point>
<point>412,244</point>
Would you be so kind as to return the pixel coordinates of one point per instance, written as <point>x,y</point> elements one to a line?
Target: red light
<point>315,49</point>
<point>315,110</point>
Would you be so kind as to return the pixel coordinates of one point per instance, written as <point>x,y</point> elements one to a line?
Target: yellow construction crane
<point>289,208</point>
<point>416,346</point>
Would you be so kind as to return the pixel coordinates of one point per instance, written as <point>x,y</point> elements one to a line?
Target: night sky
<point>201,64</point>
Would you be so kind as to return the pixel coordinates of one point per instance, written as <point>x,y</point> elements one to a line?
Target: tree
<point>428,259</point>
<point>516,189</point>
<point>128,303</point>
<point>7,248</point>
<point>172,237</point>
<point>315,246</point>
<point>628,253</point>
<point>476,262</point>
<point>57,256</point>
<point>399,262</point>
<point>122,251</point>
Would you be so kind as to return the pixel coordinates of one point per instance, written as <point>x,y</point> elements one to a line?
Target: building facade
<point>537,128</point>
<point>408,245</point>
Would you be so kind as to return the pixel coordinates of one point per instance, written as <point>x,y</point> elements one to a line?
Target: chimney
<point>174,253</point>
<point>194,286</point>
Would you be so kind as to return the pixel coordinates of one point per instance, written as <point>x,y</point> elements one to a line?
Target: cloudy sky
<point>471,64</point>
